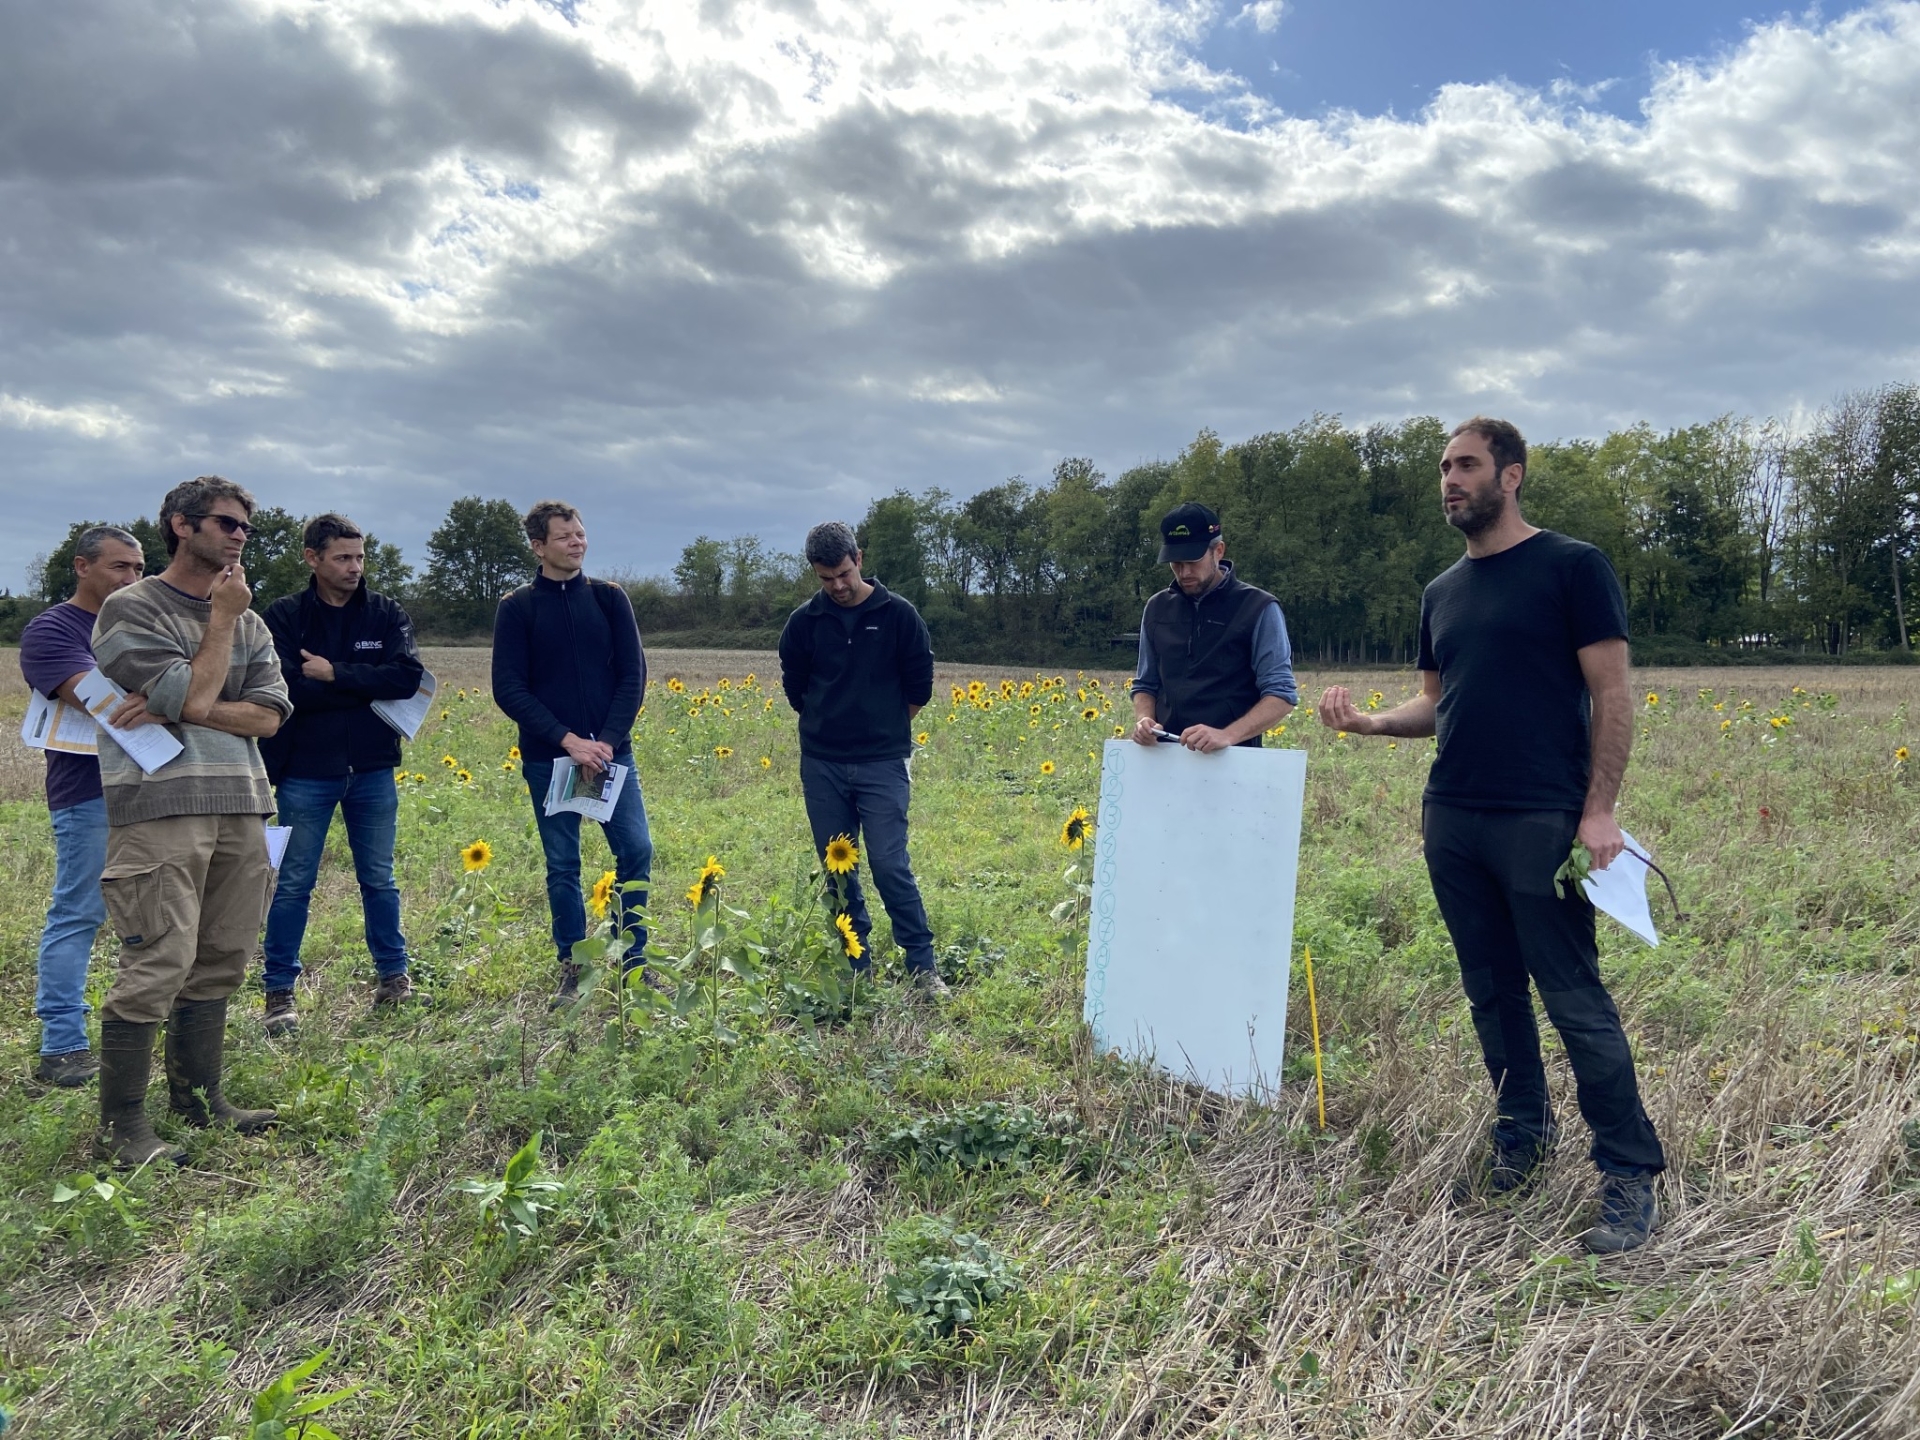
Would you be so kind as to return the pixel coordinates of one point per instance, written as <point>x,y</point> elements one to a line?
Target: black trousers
<point>1492,874</point>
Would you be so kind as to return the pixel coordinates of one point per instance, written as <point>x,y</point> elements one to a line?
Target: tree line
<point>1733,539</point>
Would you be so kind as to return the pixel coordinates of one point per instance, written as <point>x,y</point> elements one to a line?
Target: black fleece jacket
<point>333,730</point>
<point>852,673</point>
<point>567,657</point>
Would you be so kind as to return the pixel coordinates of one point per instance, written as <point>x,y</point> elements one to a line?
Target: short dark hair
<point>323,530</point>
<point>95,537</point>
<point>541,517</point>
<point>1504,441</point>
<point>191,498</point>
<point>830,542</point>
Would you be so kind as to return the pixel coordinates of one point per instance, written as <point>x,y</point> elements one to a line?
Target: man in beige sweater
<point>187,877</point>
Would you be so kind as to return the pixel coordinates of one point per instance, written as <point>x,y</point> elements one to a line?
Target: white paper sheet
<point>52,724</point>
<point>1620,890</point>
<point>277,838</point>
<point>1191,939</point>
<point>148,746</point>
<point>407,716</point>
<point>596,806</point>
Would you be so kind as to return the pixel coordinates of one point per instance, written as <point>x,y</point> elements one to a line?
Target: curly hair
<point>191,498</point>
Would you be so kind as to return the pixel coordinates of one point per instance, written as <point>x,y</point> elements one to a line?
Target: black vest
<point>1204,649</point>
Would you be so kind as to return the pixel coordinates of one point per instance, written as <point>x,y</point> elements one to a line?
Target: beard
<point>1478,512</point>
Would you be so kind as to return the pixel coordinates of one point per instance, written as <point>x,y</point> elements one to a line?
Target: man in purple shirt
<point>55,652</point>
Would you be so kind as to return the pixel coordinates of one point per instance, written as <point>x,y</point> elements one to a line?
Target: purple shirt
<point>56,646</point>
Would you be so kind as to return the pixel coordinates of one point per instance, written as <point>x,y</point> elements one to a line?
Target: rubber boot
<point>126,1061</point>
<point>196,1049</point>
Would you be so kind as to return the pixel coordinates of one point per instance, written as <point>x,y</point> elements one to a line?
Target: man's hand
<point>1338,712</point>
<point>316,667</point>
<point>132,712</point>
<point>1204,739</point>
<point>1600,833</point>
<point>1143,731</point>
<point>230,593</point>
<point>590,755</point>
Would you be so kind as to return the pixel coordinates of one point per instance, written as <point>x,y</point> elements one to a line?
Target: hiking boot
<point>397,990</point>
<point>126,1060</point>
<point>1628,1215</point>
<point>281,1018</point>
<point>196,1052</point>
<point>927,985</point>
<point>69,1071</point>
<point>569,990</point>
<point>651,978</point>
<point>1507,1171</point>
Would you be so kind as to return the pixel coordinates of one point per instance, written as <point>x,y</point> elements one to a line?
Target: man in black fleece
<point>857,664</point>
<point>569,670</point>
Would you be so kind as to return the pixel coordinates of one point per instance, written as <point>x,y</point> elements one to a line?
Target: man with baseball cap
<point>1215,668</point>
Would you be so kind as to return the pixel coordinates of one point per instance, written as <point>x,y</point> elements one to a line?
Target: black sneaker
<point>282,1019</point>
<point>569,990</point>
<point>1507,1171</point>
<point>69,1071</point>
<point>1628,1215</point>
<point>927,985</point>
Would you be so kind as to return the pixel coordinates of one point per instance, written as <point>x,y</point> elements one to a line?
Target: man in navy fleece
<point>857,664</point>
<point>569,670</point>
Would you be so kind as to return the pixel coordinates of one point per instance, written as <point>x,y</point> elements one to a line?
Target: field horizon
<point>963,1220</point>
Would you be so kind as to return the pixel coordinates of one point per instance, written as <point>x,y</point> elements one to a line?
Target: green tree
<point>702,571</point>
<point>892,547</point>
<point>477,555</point>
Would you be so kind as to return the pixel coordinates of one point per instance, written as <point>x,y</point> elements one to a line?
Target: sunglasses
<point>228,524</point>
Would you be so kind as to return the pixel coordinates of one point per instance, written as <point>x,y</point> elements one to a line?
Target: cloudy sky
<point>736,265</point>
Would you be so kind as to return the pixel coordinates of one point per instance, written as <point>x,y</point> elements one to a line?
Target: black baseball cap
<point>1188,532</point>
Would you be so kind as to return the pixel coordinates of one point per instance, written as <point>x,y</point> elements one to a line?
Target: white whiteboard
<point>1191,935</point>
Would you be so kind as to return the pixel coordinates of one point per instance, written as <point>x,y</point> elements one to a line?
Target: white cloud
<point>1263,15</point>
<point>727,264</point>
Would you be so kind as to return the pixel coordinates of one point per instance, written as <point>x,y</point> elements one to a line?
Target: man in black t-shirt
<point>1523,668</point>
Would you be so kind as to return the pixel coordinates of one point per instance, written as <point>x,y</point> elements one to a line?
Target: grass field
<point>776,1233</point>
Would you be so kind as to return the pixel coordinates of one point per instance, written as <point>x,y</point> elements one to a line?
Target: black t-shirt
<point>1504,632</point>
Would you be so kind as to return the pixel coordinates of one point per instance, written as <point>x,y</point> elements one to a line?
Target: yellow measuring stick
<point>1313,1010</point>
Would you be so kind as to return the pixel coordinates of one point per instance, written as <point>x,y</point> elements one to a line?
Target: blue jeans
<point>370,806</point>
<point>73,918</point>
<point>627,838</point>
<point>867,801</point>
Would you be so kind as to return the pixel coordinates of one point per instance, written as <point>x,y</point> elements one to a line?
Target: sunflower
<point>602,894</point>
<point>676,685</point>
<point>1046,767</point>
<point>849,941</point>
<point>419,779</point>
<point>923,737</point>
<point>1073,834</point>
<point>507,765</point>
<point>724,684</point>
<point>449,762</point>
<point>513,752</point>
<point>477,856</point>
<point>704,888</point>
<point>1089,714</point>
<point>1653,699</point>
<point>1900,756</point>
<point>446,715</point>
<point>1119,731</point>
<point>1033,709</point>
<point>957,693</point>
<point>766,762</point>
<point>976,687</point>
<point>723,752</point>
<point>465,777</point>
<point>841,857</point>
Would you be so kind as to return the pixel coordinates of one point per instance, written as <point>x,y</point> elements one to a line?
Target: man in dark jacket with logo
<point>1214,666</point>
<point>341,648</point>
<point>568,668</point>
<point>857,664</point>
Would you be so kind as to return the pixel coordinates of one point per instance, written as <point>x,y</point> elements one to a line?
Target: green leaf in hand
<point>1573,874</point>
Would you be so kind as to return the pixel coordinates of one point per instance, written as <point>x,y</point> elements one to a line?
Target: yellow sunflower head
<point>1900,756</point>
<point>841,856</point>
<point>449,762</point>
<point>513,752</point>
<point>766,762</point>
<point>602,894</point>
<point>1073,834</point>
<point>923,737</point>
<point>476,856</point>
<point>723,752</point>
<point>446,715</point>
<point>725,684</point>
<point>465,777</point>
<point>708,883</point>
<point>1046,767</point>
<point>1089,714</point>
<point>849,940</point>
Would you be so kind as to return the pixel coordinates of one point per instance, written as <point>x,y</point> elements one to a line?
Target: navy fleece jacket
<point>852,673</point>
<point>567,657</point>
